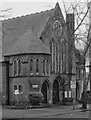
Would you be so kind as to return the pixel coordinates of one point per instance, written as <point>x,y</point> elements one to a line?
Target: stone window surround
<point>17,67</point>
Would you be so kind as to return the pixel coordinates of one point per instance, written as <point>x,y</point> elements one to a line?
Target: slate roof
<point>28,43</point>
<point>14,32</point>
<point>15,28</point>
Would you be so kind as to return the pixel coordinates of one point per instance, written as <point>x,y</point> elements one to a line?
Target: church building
<point>39,55</point>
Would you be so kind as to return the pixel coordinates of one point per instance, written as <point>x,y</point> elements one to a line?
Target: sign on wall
<point>73,84</point>
<point>16,92</point>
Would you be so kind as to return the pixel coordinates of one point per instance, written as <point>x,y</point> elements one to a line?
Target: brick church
<point>39,55</point>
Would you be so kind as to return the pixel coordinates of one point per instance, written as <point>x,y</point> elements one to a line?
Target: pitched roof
<point>14,28</point>
<point>28,43</point>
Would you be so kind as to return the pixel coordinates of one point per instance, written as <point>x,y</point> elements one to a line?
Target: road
<point>55,112</point>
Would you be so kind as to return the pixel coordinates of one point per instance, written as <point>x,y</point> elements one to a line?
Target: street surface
<point>55,112</point>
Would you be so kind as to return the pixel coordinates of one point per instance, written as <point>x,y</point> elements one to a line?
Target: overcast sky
<point>24,7</point>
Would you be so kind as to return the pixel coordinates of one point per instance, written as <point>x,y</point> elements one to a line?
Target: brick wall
<point>25,76</point>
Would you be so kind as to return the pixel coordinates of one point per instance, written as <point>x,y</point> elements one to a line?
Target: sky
<point>23,7</point>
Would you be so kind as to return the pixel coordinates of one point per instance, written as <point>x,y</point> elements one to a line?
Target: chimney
<point>70,27</point>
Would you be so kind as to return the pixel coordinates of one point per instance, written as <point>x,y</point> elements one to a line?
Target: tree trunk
<point>84,96</point>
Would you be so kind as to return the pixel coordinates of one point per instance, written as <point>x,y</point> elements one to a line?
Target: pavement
<point>54,112</point>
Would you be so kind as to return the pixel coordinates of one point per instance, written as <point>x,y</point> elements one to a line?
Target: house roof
<point>28,43</point>
<point>14,28</point>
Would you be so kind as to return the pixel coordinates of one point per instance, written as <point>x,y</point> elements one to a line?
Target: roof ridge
<point>27,15</point>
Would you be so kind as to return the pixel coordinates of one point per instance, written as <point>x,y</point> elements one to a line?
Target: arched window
<point>52,54</point>
<point>64,57</point>
<point>19,67</point>
<point>61,58</point>
<point>31,65</point>
<point>58,59</point>
<point>47,67</point>
<point>37,66</point>
<point>44,66</point>
<point>15,67</point>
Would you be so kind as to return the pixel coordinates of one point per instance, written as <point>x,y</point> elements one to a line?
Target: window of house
<point>15,87</point>
<point>19,66</point>
<point>44,66</point>
<point>31,65</point>
<point>37,66</point>
<point>15,67</point>
<point>20,88</point>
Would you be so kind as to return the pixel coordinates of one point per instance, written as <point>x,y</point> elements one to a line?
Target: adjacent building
<point>39,55</point>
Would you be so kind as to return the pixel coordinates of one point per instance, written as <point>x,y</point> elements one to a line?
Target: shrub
<point>35,98</point>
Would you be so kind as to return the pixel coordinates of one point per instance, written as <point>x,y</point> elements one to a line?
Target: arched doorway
<point>44,90</point>
<point>55,91</point>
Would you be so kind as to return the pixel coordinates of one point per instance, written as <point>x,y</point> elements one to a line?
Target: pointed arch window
<point>19,67</point>
<point>52,52</point>
<point>15,67</point>
<point>37,66</point>
<point>47,67</point>
<point>58,59</point>
<point>44,66</point>
<point>57,56</point>
<point>31,65</point>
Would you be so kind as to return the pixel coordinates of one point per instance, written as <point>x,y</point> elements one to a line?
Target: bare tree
<point>82,36</point>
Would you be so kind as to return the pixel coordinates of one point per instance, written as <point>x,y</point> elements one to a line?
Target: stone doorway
<point>55,91</point>
<point>44,90</point>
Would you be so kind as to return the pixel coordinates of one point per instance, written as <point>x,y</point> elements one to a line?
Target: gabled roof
<point>14,28</point>
<point>28,43</point>
<point>15,31</point>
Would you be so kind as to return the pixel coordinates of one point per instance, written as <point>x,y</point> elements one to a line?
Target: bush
<point>35,98</point>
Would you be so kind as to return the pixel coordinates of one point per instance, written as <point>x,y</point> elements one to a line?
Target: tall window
<point>52,54</point>
<point>44,66</point>
<point>19,66</point>
<point>64,57</point>
<point>37,66</point>
<point>55,58</point>
<point>15,87</point>
<point>20,88</point>
<point>15,67</point>
<point>47,67</point>
<point>58,59</point>
<point>31,65</point>
<point>61,61</point>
